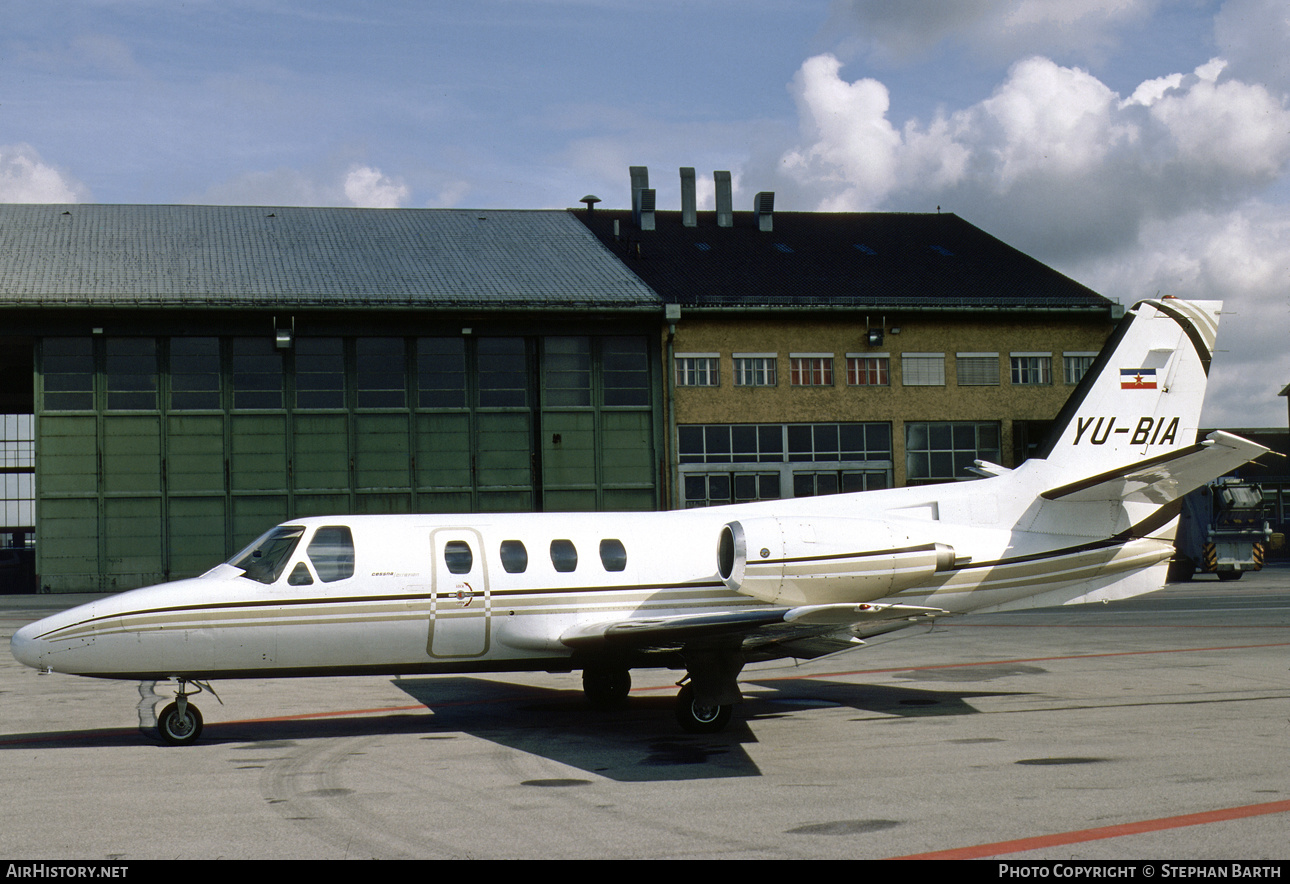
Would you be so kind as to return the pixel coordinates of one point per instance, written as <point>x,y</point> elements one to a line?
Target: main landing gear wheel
<point>697,719</point>
<point>180,728</point>
<point>605,686</point>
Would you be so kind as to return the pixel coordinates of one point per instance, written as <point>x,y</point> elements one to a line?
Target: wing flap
<point>770,624</point>
<point>1166,478</point>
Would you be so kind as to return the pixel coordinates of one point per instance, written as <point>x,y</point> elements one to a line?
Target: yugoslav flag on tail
<point>1142,396</point>
<point>1127,436</point>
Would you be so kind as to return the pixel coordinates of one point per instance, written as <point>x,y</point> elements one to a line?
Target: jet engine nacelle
<point>824,561</point>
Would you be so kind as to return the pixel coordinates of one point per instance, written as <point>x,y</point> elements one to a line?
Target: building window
<point>194,373</point>
<point>67,373</point>
<point>731,443</point>
<point>625,371</point>
<point>257,373</point>
<point>1076,365</point>
<point>922,369</point>
<point>130,373</point>
<point>869,370</point>
<point>441,372</point>
<point>380,375</point>
<point>320,373</point>
<point>771,461</point>
<point>755,370</point>
<point>817,483</point>
<point>939,451</point>
<point>503,373</point>
<point>717,489</point>
<point>811,370</point>
<point>977,369</point>
<point>698,370</point>
<point>1032,369</point>
<point>566,371</point>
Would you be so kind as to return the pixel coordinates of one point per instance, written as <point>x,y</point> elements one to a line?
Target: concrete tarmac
<point>1155,728</point>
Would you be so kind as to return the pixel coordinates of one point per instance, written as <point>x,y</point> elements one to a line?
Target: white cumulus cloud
<point>26,178</point>
<point>368,188</point>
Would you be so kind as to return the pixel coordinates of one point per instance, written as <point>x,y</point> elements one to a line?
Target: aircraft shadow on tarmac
<point>638,742</point>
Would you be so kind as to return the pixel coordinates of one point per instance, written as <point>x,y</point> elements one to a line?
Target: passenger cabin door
<point>461,605</point>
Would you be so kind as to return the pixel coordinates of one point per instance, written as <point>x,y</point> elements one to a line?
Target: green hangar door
<point>160,456</point>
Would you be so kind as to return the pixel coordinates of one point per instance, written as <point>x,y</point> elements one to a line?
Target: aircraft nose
<point>26,647</point>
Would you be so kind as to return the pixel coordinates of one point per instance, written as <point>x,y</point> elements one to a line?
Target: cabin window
<point>515,558</point>
<point>563,555</point>
<point>332,553</point>
<point>458,557</point>
<point>300,575</point>
<point>265,559</point>
<point>613,555</point>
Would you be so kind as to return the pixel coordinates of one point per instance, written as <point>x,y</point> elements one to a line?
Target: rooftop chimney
<point>689,198</point>
<point>764,211</point>
<point>640,183</point>
<point>645,212</point>
<point>725,201</point>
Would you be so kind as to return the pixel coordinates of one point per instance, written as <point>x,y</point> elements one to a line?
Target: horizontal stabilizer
<point>1166,478</point>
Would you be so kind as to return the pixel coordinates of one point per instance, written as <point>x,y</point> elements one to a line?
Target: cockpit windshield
<point>265,559</point>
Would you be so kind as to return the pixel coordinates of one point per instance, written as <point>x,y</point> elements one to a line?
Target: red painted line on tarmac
<point>1021,845</point>
<point>1016,660</point>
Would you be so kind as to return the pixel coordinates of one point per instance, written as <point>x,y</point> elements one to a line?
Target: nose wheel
<point>180,723</point>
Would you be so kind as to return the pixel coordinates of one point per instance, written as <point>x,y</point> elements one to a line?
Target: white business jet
<point>704,591</point>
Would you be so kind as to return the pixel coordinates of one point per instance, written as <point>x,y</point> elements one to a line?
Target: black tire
<point>606,687</point>
<point>179,730</point>
<point>1181,570</point>
<point>696,719</point>
<point>1230,575</point>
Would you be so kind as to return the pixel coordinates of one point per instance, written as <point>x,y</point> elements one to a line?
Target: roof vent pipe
<point>725,201</point>
<point>764,211</point>
<point>689,198</point>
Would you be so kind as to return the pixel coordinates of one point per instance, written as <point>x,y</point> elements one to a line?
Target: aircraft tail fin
<point>1141,399</point>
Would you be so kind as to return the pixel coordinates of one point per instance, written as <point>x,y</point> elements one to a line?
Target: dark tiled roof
<point>820,260</point>
<point>100,255</point>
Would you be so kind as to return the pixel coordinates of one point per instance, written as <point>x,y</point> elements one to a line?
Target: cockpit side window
<point>265,560</point>
<point>332,553</point>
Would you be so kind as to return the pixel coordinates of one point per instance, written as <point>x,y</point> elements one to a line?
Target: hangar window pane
<point>381,373</point>
<point>503,373</point>
<point>515,558</point>
<point>626,371</point>
<point>68,372</point>
<point>458,557</point>
<point>257,373</point>
<point>332,553</point>
<point>563,555</point>
<point>613,555</point>
<point>441,372</point>
<point>566,375</point>
<point>194,373</point>
<point>320,373</point>
<point>939,451</point>
<point>130,370</point>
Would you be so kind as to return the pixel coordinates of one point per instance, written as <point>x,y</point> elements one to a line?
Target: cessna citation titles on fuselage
<point>704,591</point>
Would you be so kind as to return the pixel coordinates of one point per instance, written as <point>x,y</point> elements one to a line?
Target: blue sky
<point>1140,146</point>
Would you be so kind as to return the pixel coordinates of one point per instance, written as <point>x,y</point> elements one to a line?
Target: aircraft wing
<point>751,629</point>
<point>1166,478</point>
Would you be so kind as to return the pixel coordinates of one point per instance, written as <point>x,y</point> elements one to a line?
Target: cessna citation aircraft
<point>704,591</point>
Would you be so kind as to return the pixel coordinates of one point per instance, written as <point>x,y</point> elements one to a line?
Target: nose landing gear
<point>180,723</point>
